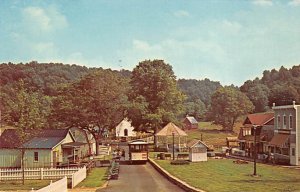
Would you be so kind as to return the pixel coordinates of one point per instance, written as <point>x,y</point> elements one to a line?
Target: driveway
<point>140,178</point>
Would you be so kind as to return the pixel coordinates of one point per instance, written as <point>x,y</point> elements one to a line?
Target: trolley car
<point>138,151</point>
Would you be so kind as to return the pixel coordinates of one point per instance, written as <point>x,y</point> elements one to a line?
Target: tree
<point>258,94</point>
<point>196,109</point>
<point>156,99</point>
<point>283,95</point>
<point>96,103</point>
<point>25,109</point>
<point>227,104</point>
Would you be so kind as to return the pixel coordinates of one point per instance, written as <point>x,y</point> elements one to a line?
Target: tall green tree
<point>96,103</point>
<point>23,108</point>
<point>196,109</point>
<point>227,104</point>
<point>156,99</point>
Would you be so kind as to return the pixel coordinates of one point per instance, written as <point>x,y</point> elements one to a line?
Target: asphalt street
<point>140,178</point>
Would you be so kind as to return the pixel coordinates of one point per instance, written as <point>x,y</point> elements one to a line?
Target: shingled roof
<point>43,139</point>
<point>169,129</point>
<point>259,118</point>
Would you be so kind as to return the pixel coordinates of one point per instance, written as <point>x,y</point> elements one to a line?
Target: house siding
<point>44,158</point>
<point>297,127</point>
<point>10,158</point>
<point>285,112</point>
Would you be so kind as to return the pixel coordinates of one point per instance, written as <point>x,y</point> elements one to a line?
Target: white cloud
<point>294,3</point>
<point>263,2</point>
<point>37,19</point>
<point>181,13</point>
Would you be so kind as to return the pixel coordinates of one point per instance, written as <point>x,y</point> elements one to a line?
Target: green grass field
<point>96,178</point>
<point>212,134</point>
<point>17,185</point>
<point>223,175</point>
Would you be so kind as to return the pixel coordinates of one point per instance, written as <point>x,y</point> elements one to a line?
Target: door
<point>54,158</point>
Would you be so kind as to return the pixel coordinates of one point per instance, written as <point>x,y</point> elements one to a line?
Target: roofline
<point>268,120</point>
<point>285,107</point>
<point>64,138</point>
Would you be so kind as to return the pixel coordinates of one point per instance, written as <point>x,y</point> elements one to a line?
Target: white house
<point>197,151</point>
<point>124,129</point>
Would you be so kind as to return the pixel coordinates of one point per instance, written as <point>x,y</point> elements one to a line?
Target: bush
<point>180,162</point>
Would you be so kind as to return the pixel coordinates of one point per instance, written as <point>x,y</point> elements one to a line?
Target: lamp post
<point>254,166</point>
<point>173,135</point>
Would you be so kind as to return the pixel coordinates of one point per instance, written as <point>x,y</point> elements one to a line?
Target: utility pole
<point>255,153</point>
<point>173,135</point>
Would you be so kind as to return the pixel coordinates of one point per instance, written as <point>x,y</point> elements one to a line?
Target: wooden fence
<point>78,176</point>
<point>37,173</point>
<point>60,185</point>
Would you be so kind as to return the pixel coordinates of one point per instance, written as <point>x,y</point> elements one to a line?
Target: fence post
<point>42,172</point>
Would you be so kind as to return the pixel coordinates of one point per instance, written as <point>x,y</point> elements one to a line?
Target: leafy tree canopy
<point>227,104</point>
<point>156,99</point>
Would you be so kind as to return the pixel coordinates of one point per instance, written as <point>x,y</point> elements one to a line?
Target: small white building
<point>197,151</point>
<point>124,129</point>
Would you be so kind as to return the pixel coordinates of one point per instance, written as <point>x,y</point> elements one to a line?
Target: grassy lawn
<point>212,134</point>
<point>96,178</point>
<point>17,185</point>
<point>224,175</point>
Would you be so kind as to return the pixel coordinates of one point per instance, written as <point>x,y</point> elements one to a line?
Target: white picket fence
<point>37,173</point>
<point>58,186</point>
<point>78,176</point>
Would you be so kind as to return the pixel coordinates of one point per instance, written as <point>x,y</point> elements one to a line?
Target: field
<point>212,134</point>
<point>223,175</point>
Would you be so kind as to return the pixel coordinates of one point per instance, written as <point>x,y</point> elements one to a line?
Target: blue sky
<point>229,41</point>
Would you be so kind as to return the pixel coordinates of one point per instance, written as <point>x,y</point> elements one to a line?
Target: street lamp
<point>173,135</point>
<point>254,166</point>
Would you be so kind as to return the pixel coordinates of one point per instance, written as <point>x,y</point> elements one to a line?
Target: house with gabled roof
<point>44,148</point>
<point>189,122</point>
<point>264,123</point>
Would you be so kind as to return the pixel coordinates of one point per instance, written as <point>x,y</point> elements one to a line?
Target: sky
<point>229,41</point>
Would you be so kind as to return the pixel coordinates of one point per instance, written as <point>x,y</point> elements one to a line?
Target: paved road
<point>140,178</point>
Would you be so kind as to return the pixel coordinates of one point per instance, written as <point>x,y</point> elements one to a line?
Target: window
<point>278,122</point>
<point>284,121</point>
<point>36,156</point>
<point>291,122</point>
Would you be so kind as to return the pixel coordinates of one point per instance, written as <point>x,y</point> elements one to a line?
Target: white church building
<point>124,129</point>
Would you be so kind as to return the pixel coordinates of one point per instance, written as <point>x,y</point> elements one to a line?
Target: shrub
<point>180,162</point>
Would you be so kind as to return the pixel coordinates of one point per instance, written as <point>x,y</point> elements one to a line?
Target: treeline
<point>281,87</point>
<point>39,95</point>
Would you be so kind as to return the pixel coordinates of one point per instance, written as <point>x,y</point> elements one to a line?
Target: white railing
<point>60,185</point>
<point>78,176</point>
<point>36,173</point>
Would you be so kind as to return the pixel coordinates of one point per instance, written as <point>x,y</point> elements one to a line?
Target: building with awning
<point>285,144</point>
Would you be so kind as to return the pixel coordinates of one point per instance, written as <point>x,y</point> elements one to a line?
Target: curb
<point>173,179</point>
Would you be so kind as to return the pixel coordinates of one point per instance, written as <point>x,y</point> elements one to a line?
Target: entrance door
<point>54,158</point>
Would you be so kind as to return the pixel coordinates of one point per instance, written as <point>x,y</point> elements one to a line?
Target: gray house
<point>46,148</point>
<point>285,144</point>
